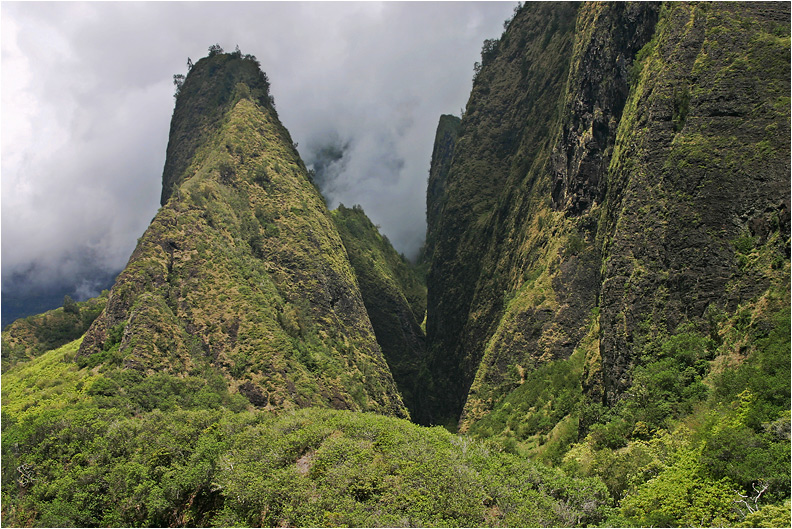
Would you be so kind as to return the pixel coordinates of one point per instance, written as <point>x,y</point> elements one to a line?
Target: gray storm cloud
<point>87,101</point>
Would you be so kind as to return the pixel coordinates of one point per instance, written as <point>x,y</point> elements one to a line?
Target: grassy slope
<point>28,337</point>
<point>84,447</point>
<point>708,414</point>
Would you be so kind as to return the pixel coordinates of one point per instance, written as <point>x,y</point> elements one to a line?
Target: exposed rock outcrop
<point>616,165</point>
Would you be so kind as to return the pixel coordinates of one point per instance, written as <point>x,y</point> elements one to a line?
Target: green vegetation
<point>113,447</point>
<point>705,425</point>
<point>243,267</point>
<point>203,98</point>
<point>540,413</point>
<point>677,394</point>
<point>607,321</point>
<point>395,300</point>
<point>484,231</point>
<point>28,337</point>
<point>116,449</point>
<point>442,156</point>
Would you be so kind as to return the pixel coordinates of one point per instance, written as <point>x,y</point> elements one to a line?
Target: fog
<point>87,97</point>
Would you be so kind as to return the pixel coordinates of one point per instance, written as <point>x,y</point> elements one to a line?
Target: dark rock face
<point>553,139</point>
<point>615,169</point>
<point>442,154</point>
<point>567,283</point>
<point>596,93</point>
<point>254,394</point>
<point>204,98</point>
<point>703,155</point>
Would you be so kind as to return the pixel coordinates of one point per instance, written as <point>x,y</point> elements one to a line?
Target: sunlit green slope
<point>28,337</point>
<point>242,270</point>
<point>85,447</point>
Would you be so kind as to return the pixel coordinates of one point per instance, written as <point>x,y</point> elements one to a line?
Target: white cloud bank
<point>87,100</point>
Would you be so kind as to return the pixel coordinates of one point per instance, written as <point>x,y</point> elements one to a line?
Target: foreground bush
<point>95,454</point>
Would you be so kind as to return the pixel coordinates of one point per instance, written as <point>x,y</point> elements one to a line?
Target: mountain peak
<point>212,86</point>
<point>242,271</point>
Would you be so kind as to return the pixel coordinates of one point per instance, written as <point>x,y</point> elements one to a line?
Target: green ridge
<point>395,300</point>
<point>607,312</point>
<point>28,337</point>
<point>243,270</point>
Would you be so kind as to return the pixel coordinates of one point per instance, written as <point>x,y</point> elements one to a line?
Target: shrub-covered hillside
<point>603,328</point>
<point>115,448</point>
<point>28,337</point>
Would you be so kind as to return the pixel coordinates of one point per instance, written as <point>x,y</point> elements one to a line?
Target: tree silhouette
<point>69,305</point>
<point>178,82</point>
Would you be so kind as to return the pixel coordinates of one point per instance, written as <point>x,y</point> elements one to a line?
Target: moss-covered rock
<point>701,161</point>
<point>497,157</point>
<point>623,167</point>
<point>243,268</point>
<point>395,300</point>
<point>442,155</point>
<point>204,98</point>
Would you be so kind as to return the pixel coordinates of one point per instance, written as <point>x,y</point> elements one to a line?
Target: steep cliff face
<point>608,292</point>
<point>495,155</point>
<point>549,309</point>
<point>243,269</point>
<point>607,38</point>
<point>442,154</point>
<point>395,300</point>
<point>699,176</point>
<point>617,166</point>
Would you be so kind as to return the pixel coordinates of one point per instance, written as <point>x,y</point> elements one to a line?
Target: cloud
<point>87,100</point>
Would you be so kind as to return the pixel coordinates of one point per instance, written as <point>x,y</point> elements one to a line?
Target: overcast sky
<point>87,97</point>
